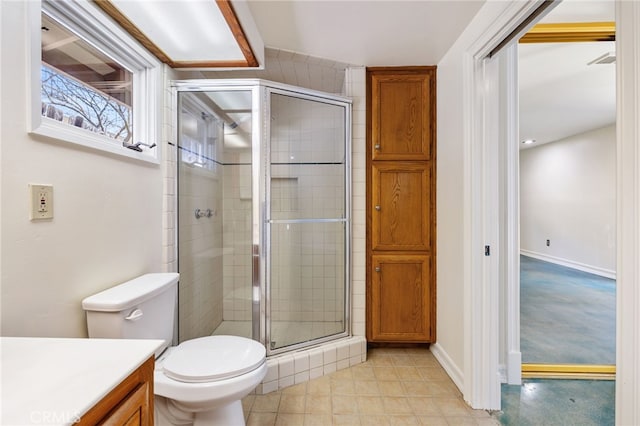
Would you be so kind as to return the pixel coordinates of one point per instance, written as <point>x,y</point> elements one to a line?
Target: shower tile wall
<point>200,248</point>
<point>169,208</point>
<point>355,88</point>
<point>293,68</point>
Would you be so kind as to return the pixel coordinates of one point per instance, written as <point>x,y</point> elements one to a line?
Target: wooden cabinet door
<point>401,217</point>
<point>402,116</point>
<point>401,299</point>
<point>132,411</point>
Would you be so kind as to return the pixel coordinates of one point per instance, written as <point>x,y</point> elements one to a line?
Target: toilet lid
<point>212,358</point>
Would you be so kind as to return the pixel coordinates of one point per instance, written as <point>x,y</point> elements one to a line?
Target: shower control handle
<point>377,207</point>
<point>198,213</point>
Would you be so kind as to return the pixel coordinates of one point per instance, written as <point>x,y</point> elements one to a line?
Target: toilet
<point>200,381</point>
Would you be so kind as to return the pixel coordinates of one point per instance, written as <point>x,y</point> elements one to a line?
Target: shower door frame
<point>326,98</point>
<point>261,91</point>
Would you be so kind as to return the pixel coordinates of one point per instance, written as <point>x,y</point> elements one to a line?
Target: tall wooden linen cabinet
<point>401,137</point>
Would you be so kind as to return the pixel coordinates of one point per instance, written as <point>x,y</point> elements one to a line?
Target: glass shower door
<point>215,212</point>
<point>307,220</point>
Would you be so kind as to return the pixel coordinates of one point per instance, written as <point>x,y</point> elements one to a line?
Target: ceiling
<point>364,32</point>
<point>560,95</point>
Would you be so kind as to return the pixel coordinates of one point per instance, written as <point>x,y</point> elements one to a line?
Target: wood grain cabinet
<point>401,298</point>
<point>401,113</point>
<point>401,205</point>
<point>130,403</point>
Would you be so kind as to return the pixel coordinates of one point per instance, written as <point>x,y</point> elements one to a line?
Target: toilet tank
<point>142,308</point>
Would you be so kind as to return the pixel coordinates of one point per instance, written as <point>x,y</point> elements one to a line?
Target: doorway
<point>481,92</point>
<point>567,196</point>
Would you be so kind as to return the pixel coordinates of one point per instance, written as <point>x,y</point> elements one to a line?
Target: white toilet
<point>200,381</point>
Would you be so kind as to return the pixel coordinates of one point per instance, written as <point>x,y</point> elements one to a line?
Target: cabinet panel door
<point>401,299</point>
<point>401,217</point>
<point>133,411</point>
<point>401,107</point>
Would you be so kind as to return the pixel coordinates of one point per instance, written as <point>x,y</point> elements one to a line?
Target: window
<point>199,132</point>
<point>92,84</point>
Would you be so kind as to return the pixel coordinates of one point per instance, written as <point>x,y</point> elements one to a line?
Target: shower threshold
<point>284,333</point>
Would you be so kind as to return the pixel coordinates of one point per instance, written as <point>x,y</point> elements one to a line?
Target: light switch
<point>41,201</point>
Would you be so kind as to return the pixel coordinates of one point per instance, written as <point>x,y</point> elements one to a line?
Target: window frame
<point>96,29</point>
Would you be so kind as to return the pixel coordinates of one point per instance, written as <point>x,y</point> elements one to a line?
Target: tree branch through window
<point>66,99</point>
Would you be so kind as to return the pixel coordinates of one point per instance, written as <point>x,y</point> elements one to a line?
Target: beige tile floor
<point>394,387</point>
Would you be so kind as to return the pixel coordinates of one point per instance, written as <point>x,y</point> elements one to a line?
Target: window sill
<point>60,132</point>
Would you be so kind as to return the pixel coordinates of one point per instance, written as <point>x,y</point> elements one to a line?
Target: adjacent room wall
<point>567,195</point>
<point>107,226</point>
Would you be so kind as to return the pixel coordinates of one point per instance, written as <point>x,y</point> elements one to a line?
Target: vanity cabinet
<point>401,205</point>
<point>130,403</point>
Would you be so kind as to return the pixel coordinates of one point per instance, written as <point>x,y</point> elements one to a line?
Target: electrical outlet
<point>548,243</point>
<point>41,201</point>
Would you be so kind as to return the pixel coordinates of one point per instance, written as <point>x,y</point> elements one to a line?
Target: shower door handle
<point>255,292</point>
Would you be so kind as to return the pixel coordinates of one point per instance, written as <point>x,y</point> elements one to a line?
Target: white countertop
<point>54,381</point>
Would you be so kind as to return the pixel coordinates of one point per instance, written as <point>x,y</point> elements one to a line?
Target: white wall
<point>451,241</point>
<point>449,204</point>
<point>567,195</point>
<point>108,212</point>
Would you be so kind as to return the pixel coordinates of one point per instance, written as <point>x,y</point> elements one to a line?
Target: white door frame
<point>483,128</point>
<point>481,276</point>
<point>628,213</point>
<point>509,217</point>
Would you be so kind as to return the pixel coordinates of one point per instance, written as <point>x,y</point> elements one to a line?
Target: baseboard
<point>514,368</point>
<point>449,366</point>
<point>607,273</point>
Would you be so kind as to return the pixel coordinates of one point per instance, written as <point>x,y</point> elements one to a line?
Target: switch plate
<point>41,201</point>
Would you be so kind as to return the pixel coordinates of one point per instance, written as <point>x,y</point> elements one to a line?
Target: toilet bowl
<point>203,380</point>
<point>200,381</point>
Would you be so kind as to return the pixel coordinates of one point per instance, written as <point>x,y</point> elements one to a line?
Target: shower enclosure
<point>263,212</point>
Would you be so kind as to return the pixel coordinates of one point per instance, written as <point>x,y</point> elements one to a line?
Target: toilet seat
<point>213,358</point>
